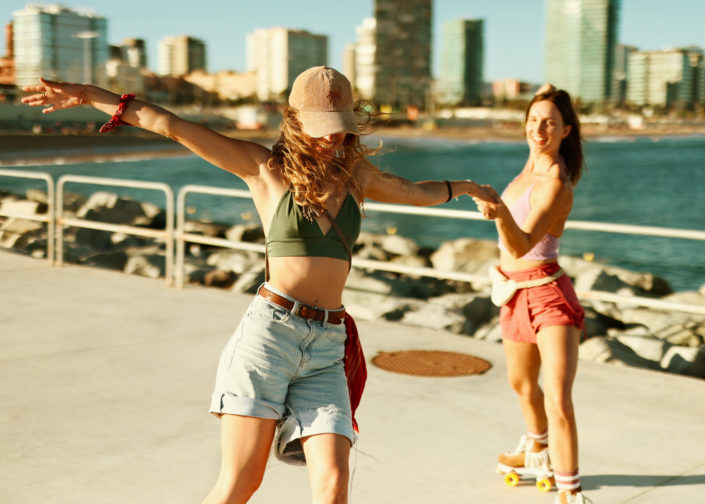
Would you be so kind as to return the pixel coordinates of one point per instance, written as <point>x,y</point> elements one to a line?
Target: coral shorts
<point>535,308</point>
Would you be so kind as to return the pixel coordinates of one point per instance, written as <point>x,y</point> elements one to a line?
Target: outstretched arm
<point>389,188</point>
<point>237,156</point>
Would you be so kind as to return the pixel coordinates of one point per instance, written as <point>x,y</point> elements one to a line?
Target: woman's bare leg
<point>245,443</point>
<point>523,368</point>
<point>327,458</point>
<point>559,352</point>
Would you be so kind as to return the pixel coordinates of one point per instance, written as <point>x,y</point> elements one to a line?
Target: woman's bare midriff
<point>312,280</point>
<point>511,263</point>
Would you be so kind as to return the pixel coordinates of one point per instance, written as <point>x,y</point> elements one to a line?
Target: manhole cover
<point>430,363</point>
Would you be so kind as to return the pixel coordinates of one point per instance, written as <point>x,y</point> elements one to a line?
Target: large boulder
<point>149,265</point>
<point>588,275</point>
<point>475,309</point>
<point>250,233</point>
<point>434,316</point>
<point>612,351</point>
<point>109,207</point>
<point>22,206</point>
<point>237,261</point>
<point>250,280</point>
<point>112,259</point>
<point>466,254</point>
<point>19,233</point>
<point>396,245</point>
<point>685,360</point>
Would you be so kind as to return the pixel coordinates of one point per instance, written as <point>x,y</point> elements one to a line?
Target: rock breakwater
<point>616,332</point>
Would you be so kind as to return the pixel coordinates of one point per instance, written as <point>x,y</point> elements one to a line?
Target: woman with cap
<point>283,366</point>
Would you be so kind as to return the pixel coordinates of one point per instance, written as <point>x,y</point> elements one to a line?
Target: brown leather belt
<point>303,311</point>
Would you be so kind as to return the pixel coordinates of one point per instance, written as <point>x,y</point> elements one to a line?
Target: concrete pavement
<point>106,380</point>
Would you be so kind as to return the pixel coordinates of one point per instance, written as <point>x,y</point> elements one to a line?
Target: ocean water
<point>639,181</point>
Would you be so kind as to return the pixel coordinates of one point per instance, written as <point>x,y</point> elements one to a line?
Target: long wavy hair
<point>295,154</point>
<point>572,145</point>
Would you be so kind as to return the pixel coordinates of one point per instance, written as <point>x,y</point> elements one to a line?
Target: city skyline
<point>514,43</point>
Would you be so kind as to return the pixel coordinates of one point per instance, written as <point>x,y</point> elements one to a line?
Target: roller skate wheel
<point>544,484</point>
<point>511,479</point>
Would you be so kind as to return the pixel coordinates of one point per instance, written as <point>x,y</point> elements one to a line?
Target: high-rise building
<point>134,52</point>
<point>59,43</point>
<point>279,55</point>
<point>181,55</point>
<point>348,69</point>
<point>660,78</point>
<point>365,54</point>
<point>697,64</point>
<point>621,72</point>
<point>581,38</point>
<point>461,79</point>
<point>402,53</point>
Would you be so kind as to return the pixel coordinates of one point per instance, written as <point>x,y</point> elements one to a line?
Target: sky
<point>514,29</point>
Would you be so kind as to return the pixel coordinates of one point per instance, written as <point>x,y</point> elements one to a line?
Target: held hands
<point>488,201</point>
<point>54,95</point>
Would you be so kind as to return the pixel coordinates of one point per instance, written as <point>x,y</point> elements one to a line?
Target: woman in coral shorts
<point>542,320</point>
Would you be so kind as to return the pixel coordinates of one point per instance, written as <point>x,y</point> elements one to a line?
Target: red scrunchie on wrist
<point>116,120</point>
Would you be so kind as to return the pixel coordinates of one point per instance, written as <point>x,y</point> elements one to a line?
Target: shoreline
<point>22,149</point>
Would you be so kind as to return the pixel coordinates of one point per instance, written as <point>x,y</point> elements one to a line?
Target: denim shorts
<point>280,366</point>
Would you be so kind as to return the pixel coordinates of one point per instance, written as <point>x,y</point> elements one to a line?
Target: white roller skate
<point>572,498</point>
<point>529,460</point>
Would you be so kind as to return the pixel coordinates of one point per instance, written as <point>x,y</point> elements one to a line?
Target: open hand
<point>54,95</point>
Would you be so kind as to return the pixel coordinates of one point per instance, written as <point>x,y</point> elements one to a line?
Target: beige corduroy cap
<point>323,99</point>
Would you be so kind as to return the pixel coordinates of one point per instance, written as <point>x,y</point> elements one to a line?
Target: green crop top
<point>291,234</point>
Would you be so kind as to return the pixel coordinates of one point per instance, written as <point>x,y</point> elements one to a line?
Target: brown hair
<point>571,147</point>
<point>295,154</point>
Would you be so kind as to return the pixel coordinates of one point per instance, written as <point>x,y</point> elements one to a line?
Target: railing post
<point>49,219</point>
<point>166,235</point>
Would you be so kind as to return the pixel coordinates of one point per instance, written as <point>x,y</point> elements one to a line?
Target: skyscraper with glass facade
<point>58,43</point>
<point>581,38</point>
<point>402,52</point>
<point>462,61</point>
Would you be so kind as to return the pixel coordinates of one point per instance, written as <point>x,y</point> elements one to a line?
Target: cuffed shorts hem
<point>227,403</point>
<point>280,366</point>
<point>301,424</point>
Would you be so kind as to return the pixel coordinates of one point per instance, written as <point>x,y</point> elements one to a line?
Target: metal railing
<point>434,273</point>
<point>56,220</point>
<point>166,234</point>
<point>48,218</point>
<point>182,237</point>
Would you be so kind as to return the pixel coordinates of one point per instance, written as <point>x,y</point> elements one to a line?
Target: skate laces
<point>522,447</point>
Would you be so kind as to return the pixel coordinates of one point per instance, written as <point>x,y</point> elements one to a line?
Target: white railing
<point>179,237</point>
<point>48,217</point>
<point>431,272</point>
<point>182,237</point>
<point>166,234</point>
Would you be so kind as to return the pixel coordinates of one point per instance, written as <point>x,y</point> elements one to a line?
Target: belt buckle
<point>305,311</point>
